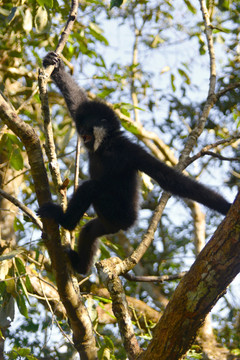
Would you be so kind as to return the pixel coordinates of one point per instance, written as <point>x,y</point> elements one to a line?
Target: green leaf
<point>102,299</point>
<point>25,353</point>
<point>105,92</point>
<point>184,74</point>
<point>21,270</point>
<point>116,3</point>
<point>104,251</point>
<point>41,2</point>
<point>172,82</point>
<point>129,126</point>
<point>190,7</point>
<point>22,305</point>
<point>14,139</point>
<point>17,54</point>
<point>96,31</point>
<point>156,41</point>
<point>11,254</point>
<point>20,266</point>
<point>224,4</point>
<point>48,3</point>
<point>16,159</point>
<point>109,342</point>
<point>18,225</point>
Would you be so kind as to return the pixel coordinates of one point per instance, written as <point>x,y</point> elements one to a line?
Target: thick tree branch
<point>199,290</point>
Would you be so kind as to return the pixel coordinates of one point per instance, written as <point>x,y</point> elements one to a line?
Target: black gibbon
<point>114,162</point>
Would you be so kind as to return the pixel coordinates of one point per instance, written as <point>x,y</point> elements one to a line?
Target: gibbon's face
<point>95,121</point>
<point>93,135</point>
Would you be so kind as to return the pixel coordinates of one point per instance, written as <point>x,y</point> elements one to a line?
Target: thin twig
<point>24,208</point>
<point>158,279</point>
<point>211,99</point>
<point>50,145</point>
<point>53,315</point>
<point>77,156</point>
<point>220,157</point>
<point>227,88</point>
<point>205,150</point>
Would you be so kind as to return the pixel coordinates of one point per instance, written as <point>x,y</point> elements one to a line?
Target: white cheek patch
<point>99,134</point>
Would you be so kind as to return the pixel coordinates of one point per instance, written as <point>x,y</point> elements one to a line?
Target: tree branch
<point>211,99</point>
<point>227,88</point>
<point>157,279</point>
<point>198,291</point>
<point>205,150</point>
<point>24,208</point>
<point>108,273</point>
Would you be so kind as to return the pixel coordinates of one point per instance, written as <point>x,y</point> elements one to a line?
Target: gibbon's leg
<point>82,260</point>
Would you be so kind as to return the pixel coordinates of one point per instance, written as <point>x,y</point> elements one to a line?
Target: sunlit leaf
<point>4,12</point>
<point>129,126</point>
<point>41,19</point>
<point>165,69</point>
<point>27,20</point>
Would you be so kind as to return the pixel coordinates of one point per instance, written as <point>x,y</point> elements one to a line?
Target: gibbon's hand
<point>53,59</point>
<point>50,211</point>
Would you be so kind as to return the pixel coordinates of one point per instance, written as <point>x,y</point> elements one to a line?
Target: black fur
<point>114,162</point>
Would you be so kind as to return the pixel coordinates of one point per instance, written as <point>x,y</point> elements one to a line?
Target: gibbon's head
<point>95,121</point>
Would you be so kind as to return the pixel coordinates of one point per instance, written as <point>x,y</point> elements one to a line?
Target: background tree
<point>151,62</point>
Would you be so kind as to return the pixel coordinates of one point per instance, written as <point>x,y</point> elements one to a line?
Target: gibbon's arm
<point>175,182</point>
<point>79,203</point>
<point>72,93</point>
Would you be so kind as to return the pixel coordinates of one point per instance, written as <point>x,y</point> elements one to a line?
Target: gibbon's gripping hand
<point>51,211</point>
<point>53,59</point>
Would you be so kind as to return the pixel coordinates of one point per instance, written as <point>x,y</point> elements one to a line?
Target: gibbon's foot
<point>77,265</point>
